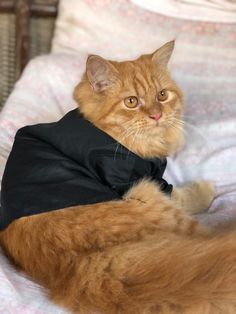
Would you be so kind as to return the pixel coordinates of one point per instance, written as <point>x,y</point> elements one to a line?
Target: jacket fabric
<point>67,163</point>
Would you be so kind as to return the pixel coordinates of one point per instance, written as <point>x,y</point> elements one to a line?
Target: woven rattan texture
<point>44,1</point>
<point>7,55</point>
<point>41,32</point>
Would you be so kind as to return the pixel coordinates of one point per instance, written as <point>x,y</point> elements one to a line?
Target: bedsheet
<point>19,295</point>
<point>44,94</point>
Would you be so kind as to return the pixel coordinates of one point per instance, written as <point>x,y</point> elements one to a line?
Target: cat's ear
<point>100,72</point>
<point>162,55</point>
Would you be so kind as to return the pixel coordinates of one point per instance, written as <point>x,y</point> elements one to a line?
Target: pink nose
<point>156,116</point>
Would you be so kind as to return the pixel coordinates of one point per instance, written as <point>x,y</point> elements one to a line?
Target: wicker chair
<point>26,29</point>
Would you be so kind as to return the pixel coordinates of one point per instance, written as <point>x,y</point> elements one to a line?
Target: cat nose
<point>156,116</point>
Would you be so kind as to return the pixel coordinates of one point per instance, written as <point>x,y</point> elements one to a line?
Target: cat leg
<point>144,211</point>
<point>170,216</point>
<point>194,197</point>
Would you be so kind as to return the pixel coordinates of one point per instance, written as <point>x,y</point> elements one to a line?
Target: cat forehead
<point>135,66</point>
<point>142,77</point>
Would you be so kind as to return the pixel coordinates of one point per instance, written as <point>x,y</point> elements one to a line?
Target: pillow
<point>201,10</point>
<point>123,30</point>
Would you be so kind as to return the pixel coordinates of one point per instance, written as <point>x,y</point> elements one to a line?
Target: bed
<point>203,64</point>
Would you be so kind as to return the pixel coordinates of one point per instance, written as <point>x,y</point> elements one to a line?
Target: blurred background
<point>26,30</point>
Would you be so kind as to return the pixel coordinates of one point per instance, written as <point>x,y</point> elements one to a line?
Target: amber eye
<point>131,102</point>
<point>162,95</point>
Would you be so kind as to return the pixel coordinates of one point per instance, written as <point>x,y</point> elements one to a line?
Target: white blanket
<point>19,295</point>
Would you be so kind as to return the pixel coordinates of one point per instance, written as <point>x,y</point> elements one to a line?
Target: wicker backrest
<point>26,29</point>
<point>7,55</point>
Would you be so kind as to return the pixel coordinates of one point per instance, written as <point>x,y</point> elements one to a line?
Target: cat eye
<point>131,102</point>
<point>162,95</point>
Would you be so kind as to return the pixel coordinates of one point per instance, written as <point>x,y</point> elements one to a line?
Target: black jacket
<point>66,163</point>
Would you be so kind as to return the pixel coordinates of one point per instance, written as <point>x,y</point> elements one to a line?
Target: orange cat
<point>143,253</point>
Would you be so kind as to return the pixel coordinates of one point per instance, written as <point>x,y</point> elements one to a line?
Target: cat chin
<point>157,130</point>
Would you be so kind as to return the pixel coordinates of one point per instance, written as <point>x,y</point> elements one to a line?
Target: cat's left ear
<point>162,55</point>
<point>100,72</point>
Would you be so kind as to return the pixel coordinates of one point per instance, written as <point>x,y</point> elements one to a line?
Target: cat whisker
<point>185,123</point>
<point>177,128</point>
<point>175,122</point>
<point>196,130</point>
<point>119,144</point>
<point>180,121</point>
<point>125,134</point>
<point>130,121</point>
<point>138,132</point>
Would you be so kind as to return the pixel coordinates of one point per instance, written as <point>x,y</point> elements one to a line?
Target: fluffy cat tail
<point>168,274</point>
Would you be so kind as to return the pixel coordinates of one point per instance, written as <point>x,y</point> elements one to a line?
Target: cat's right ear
<point>100,72</point>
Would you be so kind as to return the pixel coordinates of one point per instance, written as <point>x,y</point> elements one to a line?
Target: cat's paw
<point>145,191</point>
<point>195,197</point>
<point>203,193</point>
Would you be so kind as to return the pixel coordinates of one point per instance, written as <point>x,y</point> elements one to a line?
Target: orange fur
<point>143,254</point>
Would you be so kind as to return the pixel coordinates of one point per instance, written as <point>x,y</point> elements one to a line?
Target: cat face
<point>136,102</point>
